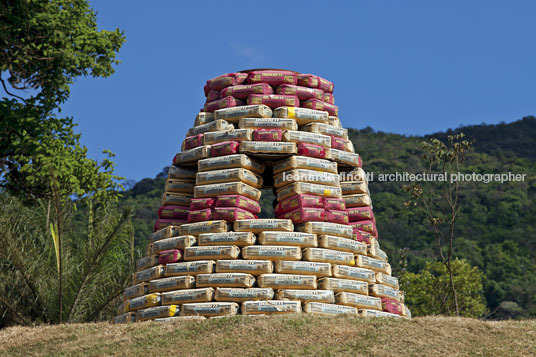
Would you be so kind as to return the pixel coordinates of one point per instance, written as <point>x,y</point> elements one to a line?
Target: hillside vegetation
<point>496,230</point>
<point>299,335</point>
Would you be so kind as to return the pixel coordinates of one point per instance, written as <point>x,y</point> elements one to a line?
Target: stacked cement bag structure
<point>210,255</point>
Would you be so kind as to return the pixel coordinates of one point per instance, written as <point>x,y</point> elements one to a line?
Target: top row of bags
<point>271,77</point>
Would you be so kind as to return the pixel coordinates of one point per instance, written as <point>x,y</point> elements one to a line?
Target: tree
<point>429,292</point>
<point>44,46</point>
<point>441,199</point>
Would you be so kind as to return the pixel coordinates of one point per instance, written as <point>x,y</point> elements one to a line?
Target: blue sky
<point>409,67</point>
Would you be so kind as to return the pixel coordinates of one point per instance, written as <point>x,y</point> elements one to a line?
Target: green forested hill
<point>497,228</point>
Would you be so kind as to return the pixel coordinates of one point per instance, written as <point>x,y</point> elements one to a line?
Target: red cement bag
<point>392,306</point>
<point>320,105</point>
<point>225,80</point>
<point>328,98</point>
<point>298,201</point>
<point>274,100</point>
<point>231,214</point>
<point>361,236</point>
<point>201,203</point>
<point>356,214</point>
<point>310,80</point>
<point>243,91</point>
<point>274,78</point>
<point>311,150</point>
<point>338,143</point>
<point>213,95</point>
<point>366,226</point>
<point>200,215</point>
<point>226,102</point>
<point>267,135</point>
<point>303,93</point>
<point>240,202</point>
<point>340,217</point>
<point>163,223</point>
<point>173,212</point>
<point>169,256</point>
<point>193,141</point>
<point>224,148</point>
<point>332,203</point>
<point>302,215</point>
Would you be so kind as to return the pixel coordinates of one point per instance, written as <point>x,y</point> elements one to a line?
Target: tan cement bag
<point>354,273</point>
<point>302,175</point>
<point>135,291</point>
<point>228,175</point>
<point>168,232</point>
<point>192,155</point>
<point>156,272</point>
<point>267,147</point>
<point>181,173</point>
<point>203,118</point>
<point>240,239</point>
<point>179,186</point>
<point>334,121</point>
<point>300,188</point>
<point>357,174</point>
<point>175,319</point>
<point>286,281</point>
<point>271,307</point>
<point>354,187</point>
<point>326,228</point>
<point>377,265</point>
<point>123,307</point>
<point>149,248</point>
<point>302,115</point>
<point>339,285</point>
<point>328,256</point>
<point>271,252</point>
<point>357,200</point>
<point>229,162</point>
<point>268,123</point>
<point>262,225</point>
<point>172,283</point>
<point>388,280</point>
<point>198,228</point>
<point>143,302</point>
<point>187,296</point>
<point>146,262</point>
<point>345,158</point>
<point>303,268</point>
<point>176,199</point>
<point>209,309</point>
<point>239,295</point>
<point>215,137</point>
<point>344,244</point>
<point>180,243</point>
<point>229,280</point>
<point>306,137</point>
<point>253,267</point>
<point>305,162</point>
<point>359,301</point>
<point>156,312</point>
<point>375,313</point>
<point>319,308</point>
<point>211,252</point>
<point>233,115</point>
<point>189,268</point>
<point>384,291</point>
<point>303,240</point>
<point>326,129</point>
<point>229,188</point>
<point>216,125</point>
<point>306,295</point>
<point>125,318</point>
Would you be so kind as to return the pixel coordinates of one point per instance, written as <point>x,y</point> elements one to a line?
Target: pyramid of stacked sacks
<point>211,255</point>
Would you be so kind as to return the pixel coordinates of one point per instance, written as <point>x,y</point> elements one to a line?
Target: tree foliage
<point>429,292</point>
